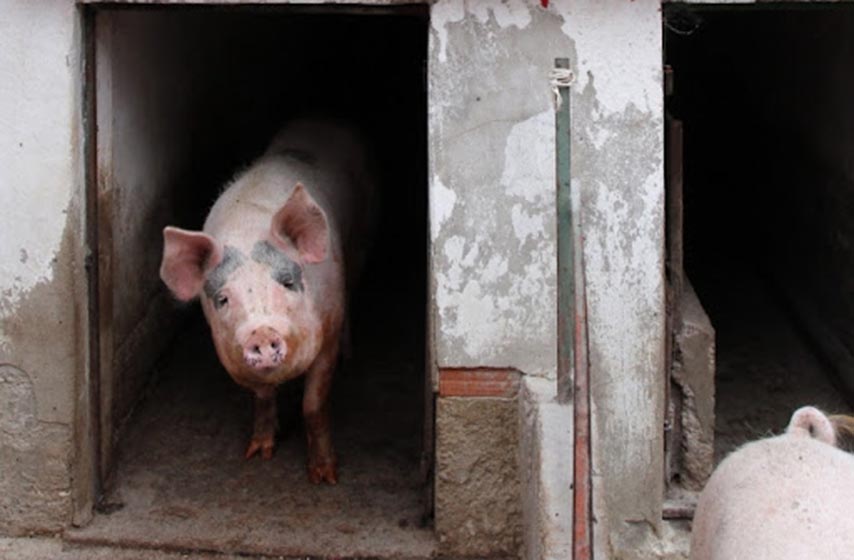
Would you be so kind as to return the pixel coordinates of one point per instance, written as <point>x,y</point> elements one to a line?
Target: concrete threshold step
<point>56,548</point>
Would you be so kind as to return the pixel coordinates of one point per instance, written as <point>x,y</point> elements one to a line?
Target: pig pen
<point>764,97</point>
<point>183,98</point>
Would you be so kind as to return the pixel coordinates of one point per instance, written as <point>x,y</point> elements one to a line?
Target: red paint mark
<point>478,382</point>
<point>544,3</point>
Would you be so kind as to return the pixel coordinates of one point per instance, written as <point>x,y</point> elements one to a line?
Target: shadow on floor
<point>182,483</point>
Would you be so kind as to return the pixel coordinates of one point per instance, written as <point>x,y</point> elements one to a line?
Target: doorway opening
<point>185,98</point>
<point>762,94</point>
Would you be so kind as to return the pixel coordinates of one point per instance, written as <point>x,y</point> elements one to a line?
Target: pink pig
<point>269,268</point>
<point>789,497</point>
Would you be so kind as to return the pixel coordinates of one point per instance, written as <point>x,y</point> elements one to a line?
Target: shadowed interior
<point>226,78</point>
<point>764,94</point>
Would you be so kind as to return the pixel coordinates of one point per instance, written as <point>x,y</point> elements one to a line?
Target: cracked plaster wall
<point>42,283</point>
<point>493,225</point>
<point>492,183</point>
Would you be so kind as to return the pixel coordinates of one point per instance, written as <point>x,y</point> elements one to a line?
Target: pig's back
<point>782,498</point>
<point>326,158</point>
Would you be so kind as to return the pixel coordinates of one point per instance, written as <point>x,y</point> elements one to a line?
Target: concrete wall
<point>42,280</point>
<point>493,225</point>
<point>145,79</point>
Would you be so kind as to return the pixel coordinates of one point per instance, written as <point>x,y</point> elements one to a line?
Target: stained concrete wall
<point>42,279</point>
<point>147,73</point>
<point>545,470</point>
<point>493,224</point>
<point>477,483</point>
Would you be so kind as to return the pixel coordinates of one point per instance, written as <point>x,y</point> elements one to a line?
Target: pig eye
<point>285,279</point>
<point>220,300</point>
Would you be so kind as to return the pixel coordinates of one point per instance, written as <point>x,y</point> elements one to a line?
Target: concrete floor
<point>182,483</point>
<point>45,548</point>
<point>765,370</point>
<point>49,548</point>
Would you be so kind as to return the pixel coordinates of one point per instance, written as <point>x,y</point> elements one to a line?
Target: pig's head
<point>260,310</point>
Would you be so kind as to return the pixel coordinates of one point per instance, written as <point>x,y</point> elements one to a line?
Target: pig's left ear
<point>302,222</point>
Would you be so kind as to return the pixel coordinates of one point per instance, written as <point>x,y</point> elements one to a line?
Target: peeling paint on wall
<point>492,187</point>
<point>443,13</point>
<point>611,51</point>
<point>442,205</point>
<point>481,302</point>
<point>36,113</point>
<point>41,278</point>
<point>507,13</point>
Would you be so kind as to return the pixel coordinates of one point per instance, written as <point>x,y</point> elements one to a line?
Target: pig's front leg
<point>265,425</point>
<point>315,408</point>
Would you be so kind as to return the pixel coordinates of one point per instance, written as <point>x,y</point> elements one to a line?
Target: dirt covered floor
<point>182,482</point>
<point>765,367</point>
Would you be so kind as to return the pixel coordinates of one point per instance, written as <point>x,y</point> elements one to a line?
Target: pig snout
<point>264,349</point>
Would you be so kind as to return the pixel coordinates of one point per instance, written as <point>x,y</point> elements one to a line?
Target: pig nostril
<point>256,349</point>
<point>274,345</point>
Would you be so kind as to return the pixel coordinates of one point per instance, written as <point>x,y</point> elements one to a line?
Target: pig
<point>789,497</point>
<point>270,269</point>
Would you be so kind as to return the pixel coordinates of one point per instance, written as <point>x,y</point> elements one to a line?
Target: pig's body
<point>789,497</point>
<point>271,268</point>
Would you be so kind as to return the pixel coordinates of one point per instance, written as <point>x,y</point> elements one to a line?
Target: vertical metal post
<point>565,249</point>
<point>572,330</point>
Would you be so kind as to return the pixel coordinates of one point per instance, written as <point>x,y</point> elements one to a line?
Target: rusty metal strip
<point>583,485</point>
<point>572,328</point>
<point>478,382</point>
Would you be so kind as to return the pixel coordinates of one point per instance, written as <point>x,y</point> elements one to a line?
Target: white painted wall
<point>38,81</point>
<point>42,282</point>
<point>35,147</point>
<point>492,184</point>
<point>618,170</point>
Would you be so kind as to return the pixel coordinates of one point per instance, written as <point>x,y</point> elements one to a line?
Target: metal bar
<point>572,330</point>
<point>583,485</point>
<point>565,249</point>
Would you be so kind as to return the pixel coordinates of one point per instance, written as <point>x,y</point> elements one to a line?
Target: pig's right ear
<point>302,222</point>
<point>186,257</point>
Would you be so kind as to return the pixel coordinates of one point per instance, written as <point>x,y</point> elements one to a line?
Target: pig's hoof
<point>323,473</point>
<point>264,444</point>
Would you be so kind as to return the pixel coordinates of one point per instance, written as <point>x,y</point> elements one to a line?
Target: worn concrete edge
<point>83,467</point>
<point>38,548</point>
<point>546,466</point>
<point>133,544</point>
